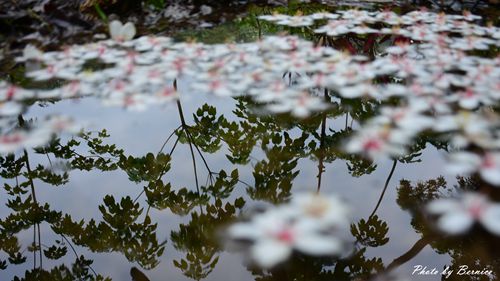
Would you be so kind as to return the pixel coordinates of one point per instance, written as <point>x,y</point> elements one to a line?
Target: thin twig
<point>74,251</point>
<point>385,187</point>
<point>184,126</point>
<point>173,147</point>
<point>33,194</point>
<point>321,166</point>
<point>168,138</point>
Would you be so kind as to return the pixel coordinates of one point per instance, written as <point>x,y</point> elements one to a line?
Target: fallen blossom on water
<point>457,216</point>
<point>121,32</point>
<point>300,106</point>
<point>30,53</point>
<point>308,224</point>
<point>37,134</point>
<point>439,85</point>
<point>466,163</point>
<point>379,141</point>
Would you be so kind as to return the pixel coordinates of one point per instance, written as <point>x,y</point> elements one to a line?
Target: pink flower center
<point>302,101</point>
<point>101,50</point>
<point>15,138</point>
<point>214,85</point>
<point>120,85</point>
<point>73,87</point>
<point>398,115</point>
<point>168,91</point>
<point>372,145</point>
<point>59,125</point>
<point>319,79</point>
<point>51,69</point>
<point>476,210</point>
<point>256,77</point>
<point>10,92</point>
<point>128,101</point>
<point>285,235</point>
<point>179,65</point>
<point>488,162</point>
<point>469,93</point>
<point>154,74</point>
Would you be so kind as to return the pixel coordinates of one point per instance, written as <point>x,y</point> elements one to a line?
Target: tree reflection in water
<point>271,145</point>
<point>126,227</point>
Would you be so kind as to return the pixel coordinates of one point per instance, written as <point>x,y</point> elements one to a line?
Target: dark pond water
<point>144,196</point>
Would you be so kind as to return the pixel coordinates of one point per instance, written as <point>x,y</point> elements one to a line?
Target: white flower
<point>295,21</point>
<point>20,139</point>
<point>214,86</point>
<point>376,142</point>
<point>166,94</point>
<point>11,92</point>
<point>359,91</point>
<point>121,32</point>
<point>301,106</point>
<point>307,224</point>
<point>458,216</point>
<point>30,52</point>
<point>471,98</point>
<point>336,28</point>
<point>58,124</point>
<point>407,118</point>
<point>10,108</point>
<point>11,142</point>
<point>325,211</point>
<point>465,121</point>
<point>321,16</point>
<point>487,165</point>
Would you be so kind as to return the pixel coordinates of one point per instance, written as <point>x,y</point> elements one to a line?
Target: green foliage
<point>411,197</point>
<point>54,252</point>
<point>371,232</point>
<point>196,238</point>
<point>160,196</point>
<point>223,186</point>
<point>157,4</point>
<point>146,168</point>
<point>78,271</point>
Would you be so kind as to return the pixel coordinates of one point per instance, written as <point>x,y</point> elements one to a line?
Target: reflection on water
<point>153,188</point>
<point>147,195</point>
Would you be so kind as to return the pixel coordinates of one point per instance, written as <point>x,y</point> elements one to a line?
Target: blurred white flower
<point>377,142</point>
<point>466,163</point>
<point>300,106</point>
<point>324,211</point>
<point>121,32</point>
<point>30,53</point>
<point>10,108</point>
<point>457,216</point>
<point>11,142</point>
<point>308,224</point>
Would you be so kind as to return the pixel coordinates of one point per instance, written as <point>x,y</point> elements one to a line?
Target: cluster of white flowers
<point>39,133</point>
<point>438,81</point>
<point>457,216</point>
<point>442,84</point>
<point>310,223</point>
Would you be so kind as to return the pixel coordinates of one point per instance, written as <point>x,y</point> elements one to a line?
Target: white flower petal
<point>443,206</point>
<point>128,31</point>
<point>317,245</point>
<point>268,253</point>
<point>455,222</point>
<point>491,219</point>
<point>245,231</point>
<point>115,29</point>
<point>491,175</point>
